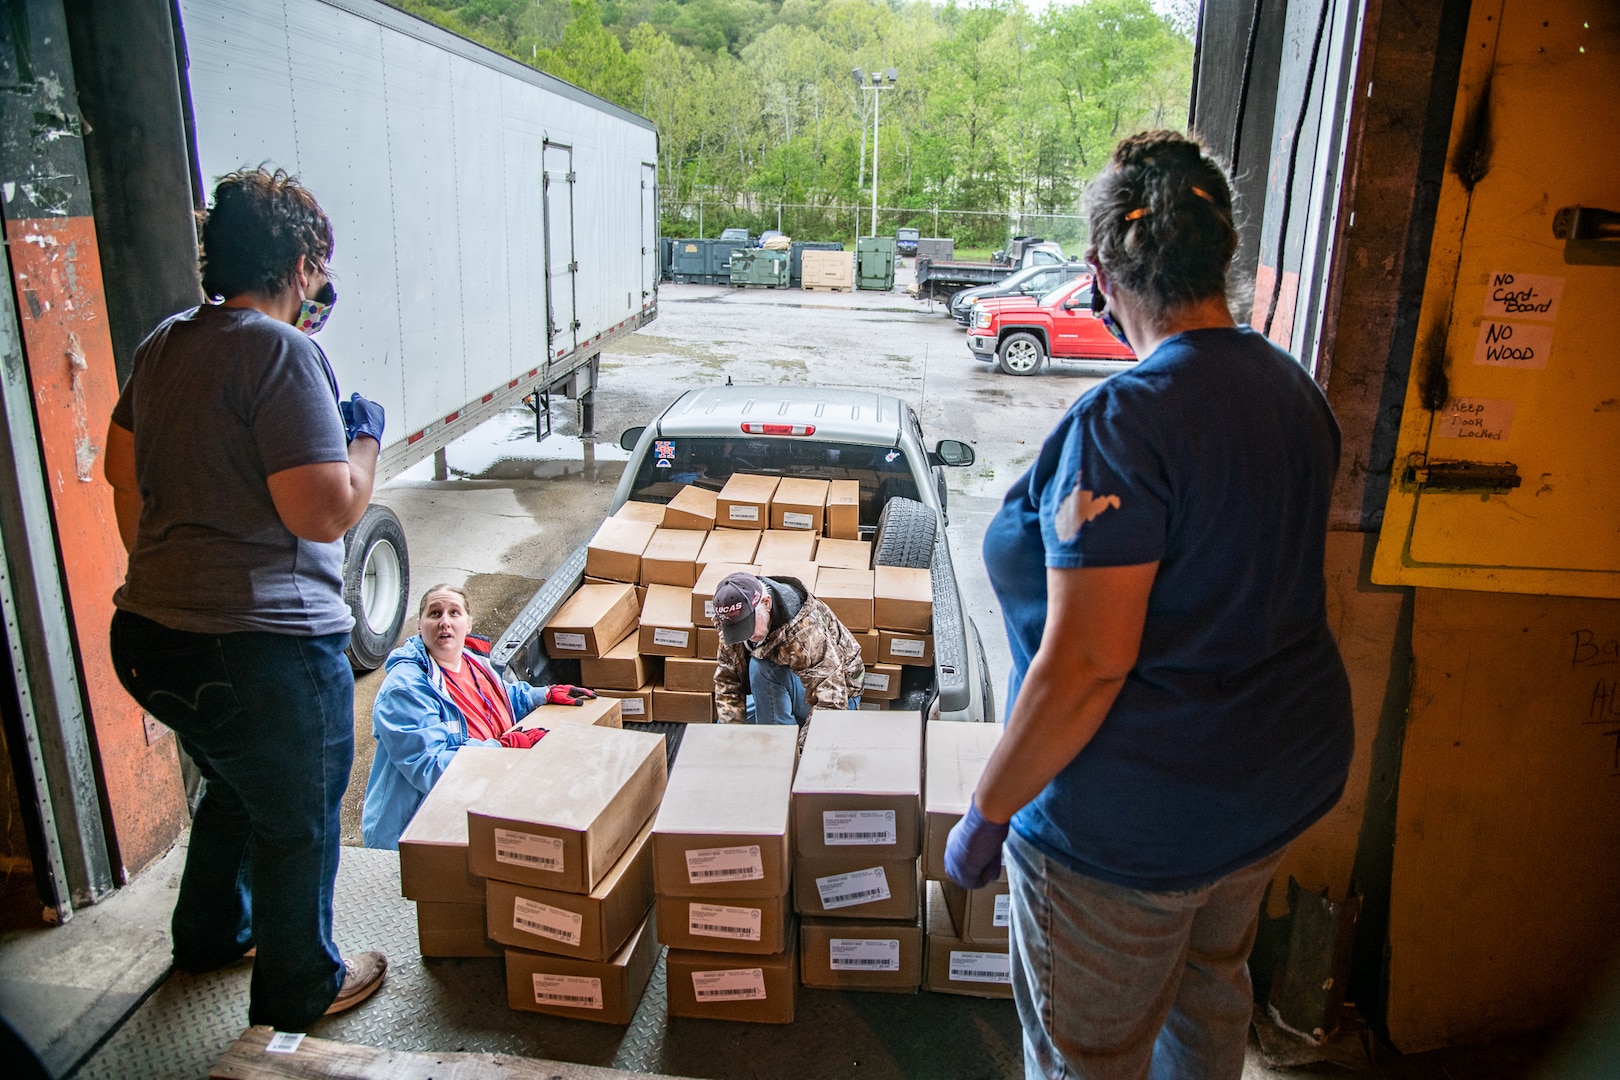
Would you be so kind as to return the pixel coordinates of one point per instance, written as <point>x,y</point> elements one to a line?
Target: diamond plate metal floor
<point>450,1005</point>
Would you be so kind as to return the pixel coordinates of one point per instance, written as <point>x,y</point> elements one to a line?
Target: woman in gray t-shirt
<point>235,474</point>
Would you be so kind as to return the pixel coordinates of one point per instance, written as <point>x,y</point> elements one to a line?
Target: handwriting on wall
<point>1474,418</point>
<point>1592,652</point>
<point>1504,344</point>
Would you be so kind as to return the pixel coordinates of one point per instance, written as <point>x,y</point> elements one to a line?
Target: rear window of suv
<point>708,461</point>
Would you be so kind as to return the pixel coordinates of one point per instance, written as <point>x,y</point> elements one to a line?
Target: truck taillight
<point>779,429</point>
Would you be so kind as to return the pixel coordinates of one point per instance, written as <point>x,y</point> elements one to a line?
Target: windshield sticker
<point>664,448</point>
<point>661,463</point>
<point>891,455</point>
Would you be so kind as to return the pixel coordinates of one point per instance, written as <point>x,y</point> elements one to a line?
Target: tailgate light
<point>779,429</point>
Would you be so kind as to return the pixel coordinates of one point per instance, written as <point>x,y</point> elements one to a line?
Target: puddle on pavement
<point>504,448</point>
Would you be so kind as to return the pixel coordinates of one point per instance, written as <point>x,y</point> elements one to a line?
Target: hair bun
<point>1165,149</point>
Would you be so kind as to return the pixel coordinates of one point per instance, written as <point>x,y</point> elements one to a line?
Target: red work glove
<point>521,739</point>
<point>563,694</point>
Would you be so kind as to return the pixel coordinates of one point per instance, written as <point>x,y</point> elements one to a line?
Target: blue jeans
<point>269,719</point>
<point>777,694</point>
<point>1115,983</point>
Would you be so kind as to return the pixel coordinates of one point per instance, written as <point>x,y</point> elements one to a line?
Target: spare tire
<point>376,585</point>
<point>905,534</point>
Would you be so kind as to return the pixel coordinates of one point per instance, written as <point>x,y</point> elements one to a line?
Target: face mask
<point>312,314</point>
<point>1099,308</point>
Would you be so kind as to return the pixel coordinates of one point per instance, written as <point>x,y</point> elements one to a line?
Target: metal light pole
<point>878,83</point>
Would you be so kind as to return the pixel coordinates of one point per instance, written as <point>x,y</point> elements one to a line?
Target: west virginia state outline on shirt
<point>1078,508</point>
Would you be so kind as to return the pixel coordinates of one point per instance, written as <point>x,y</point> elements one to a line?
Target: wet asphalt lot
<point>511,508</point>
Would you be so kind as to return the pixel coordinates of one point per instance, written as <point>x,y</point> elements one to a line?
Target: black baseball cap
<point>735,599</point>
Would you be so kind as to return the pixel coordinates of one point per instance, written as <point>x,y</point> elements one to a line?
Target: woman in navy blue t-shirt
<point>1178,710</point>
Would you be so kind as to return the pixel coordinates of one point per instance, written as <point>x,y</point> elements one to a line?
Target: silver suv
<point>706,435</point>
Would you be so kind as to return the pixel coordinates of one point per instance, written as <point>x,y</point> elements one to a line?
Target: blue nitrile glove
<point>973,850</point>
<point>361,417</point>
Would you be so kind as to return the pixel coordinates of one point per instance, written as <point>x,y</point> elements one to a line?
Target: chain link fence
<point>987,230</point>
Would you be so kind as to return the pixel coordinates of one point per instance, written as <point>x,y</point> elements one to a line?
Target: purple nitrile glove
<point>973,850</point>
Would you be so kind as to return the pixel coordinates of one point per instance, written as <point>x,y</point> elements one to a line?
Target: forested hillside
<point>996,111</point>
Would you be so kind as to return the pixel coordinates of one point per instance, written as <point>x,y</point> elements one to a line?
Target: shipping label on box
<point>634,705</point>
<point>952,966</point>
<point>433,865</point>
<point>882,683</point>
<point>722,830</point>
<point>561,818</point>
<point>607,991</point>
<point>753,926</point>
<point>848,593</point>
<point>854,767</point>
<point>666,622</point>
<point>982,917</point>
<point>799,503</point>
<point>907,648</point>
<point>614,553</point>
<point>621,667</point>
<point>844,511</point>
<point>903,599</point>
<point>777,546</point>
<point>745,502</point>
<point>671,557</point>
<point>689,674</point>
<point>735,546</point>
<point>590,622</point>
<point>719,986</point>
<point>858,888</point>
<point>682,706</point>
<point>845,554</point>
<point>956,754</point>
<point>854,955</point>
<point>691,508</point>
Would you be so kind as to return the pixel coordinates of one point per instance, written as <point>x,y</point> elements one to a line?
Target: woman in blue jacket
<point>439,695</point>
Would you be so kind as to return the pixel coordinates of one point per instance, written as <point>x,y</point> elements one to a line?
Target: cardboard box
<point>708,643</point>
<point>671,557</point>
<point>433,863</point>
<point>799,504</point>
<point>666,622</point>
<point>634,705</point>
<point>735,546</point>
<point>452,930</point>
<point>562,817</point>
<point>614,553</point>
<point>981,916</point>
<point>952,966</point>
<point>848,593</point>
<point>589,926</point>
<point>607,992</point>
<point>745,502</point>
<point>709,579</point>
<point>903,598</point>
<point>843,954</point>
<point>803,572</point>
<point>956,754</point>
<point>590,622</point>
<point>756,925</point>
<point>724,986</point>
<point>689,674</point>
<point>848,554</point>
<point>844,510</point>
<point>691,508</point>
<point>785,545</point>
<point>906,647</point>
<point>682,706</point>
<point>651,513</point>
<point>620,668</point>
<point>858,792</point>
<point>856,887</point>
<point>600,712</point>
<point>869,643</point>
<point>882,683</point>
<point>722,830</point>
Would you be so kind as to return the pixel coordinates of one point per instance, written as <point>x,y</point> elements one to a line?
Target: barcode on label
<point>575,642</point>
<point>856,887</point>
<point>980,967</point>
<point>739,992</point>
<point>632,706</point>
<point>741,984</point>
<point>864,954</point>
<point>724,864</point>
<point>708,609</point>
<point>573,991</point>
<point>847,827</point>
<point>876,681</point>
<point>526,849</point>
<point>743,513</point>
<point>791,520</point>
<point>1002,916</point>
<point>714,920</point>
<point>671,639</point>
<point>906,646</point>
<point>545,920</point>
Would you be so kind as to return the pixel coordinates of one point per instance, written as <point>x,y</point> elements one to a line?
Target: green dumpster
<point>874,263</point>
<point>755,266</point>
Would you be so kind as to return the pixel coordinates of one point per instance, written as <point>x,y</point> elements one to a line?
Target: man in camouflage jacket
<point>786,647</point>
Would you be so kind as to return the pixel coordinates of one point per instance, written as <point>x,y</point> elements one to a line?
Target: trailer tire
<point>376,585</point>
<point>1021,354</point>
<point>905,535</point>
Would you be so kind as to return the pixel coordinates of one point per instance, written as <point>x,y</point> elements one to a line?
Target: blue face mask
<point>1099,308</point>
<point>312,314</point>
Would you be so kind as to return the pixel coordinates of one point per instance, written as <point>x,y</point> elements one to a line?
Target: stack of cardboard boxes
<point>722,870</point>
<point>857,809</point>
<point>967,929</point>
<point>660,662</point>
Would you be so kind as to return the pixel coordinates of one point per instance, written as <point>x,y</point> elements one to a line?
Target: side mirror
<point>954,452</point>
<point>631,436</point>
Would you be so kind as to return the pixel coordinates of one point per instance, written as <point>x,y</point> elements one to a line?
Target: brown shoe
<point>362,976</point>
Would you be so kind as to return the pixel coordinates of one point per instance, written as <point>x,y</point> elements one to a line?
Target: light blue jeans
<point>1119,984</point>
<point>778,694</point>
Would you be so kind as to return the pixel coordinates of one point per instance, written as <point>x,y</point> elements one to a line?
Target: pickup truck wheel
<point>376,585</point>
<point>1021,354</point>
<point>905,535</point>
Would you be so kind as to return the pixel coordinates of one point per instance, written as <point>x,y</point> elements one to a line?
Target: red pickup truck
<point>1019,333</point>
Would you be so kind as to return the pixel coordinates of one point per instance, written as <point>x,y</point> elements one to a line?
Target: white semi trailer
<point>496,227</point>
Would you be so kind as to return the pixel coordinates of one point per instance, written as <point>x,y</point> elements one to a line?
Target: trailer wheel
<point>905,534</point>
<point>1021,354</point>
<point>376,585</point>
